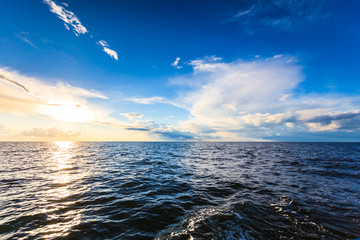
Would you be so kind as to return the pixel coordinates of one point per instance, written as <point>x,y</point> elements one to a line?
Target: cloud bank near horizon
<point>252,100</point>
<point>50,133</point>
<point>260,97</point>
<point>22,95</point>
<point>256,100</point>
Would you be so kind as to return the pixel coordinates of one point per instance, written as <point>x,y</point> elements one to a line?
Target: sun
<point>68,112</point>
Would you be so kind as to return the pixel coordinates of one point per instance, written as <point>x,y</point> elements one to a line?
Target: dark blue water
<point>179,190</point>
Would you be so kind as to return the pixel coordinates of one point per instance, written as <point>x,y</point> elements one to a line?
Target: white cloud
<point>284,97</point>
<point>208,64</point>
<point>252,101</point>
<point>157,99</point>
<point>111,53</point>
<point>68,17</point>
<point>103,43</point>
<point>25,95</point>
<point>50,133</point>
<point>318,127</point>
<point>23,37</point>
<point>175,64</point>
<point>280,14</point>
<point>107,50</point>
<point>132,115</point>
<point>332,121</point>
<point>240,87</point>
<point>151,100</point>
<point>243,13</point>
<point>258,98</point>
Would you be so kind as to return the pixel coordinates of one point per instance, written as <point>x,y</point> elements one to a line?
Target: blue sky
<point>180,70</point>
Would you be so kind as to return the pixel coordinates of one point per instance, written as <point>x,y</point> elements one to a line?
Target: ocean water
<point>120,190</point>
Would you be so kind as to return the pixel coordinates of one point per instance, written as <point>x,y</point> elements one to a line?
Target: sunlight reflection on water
<point>57,207</point>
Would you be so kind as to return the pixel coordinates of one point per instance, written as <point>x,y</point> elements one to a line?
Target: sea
<point>179,190</point>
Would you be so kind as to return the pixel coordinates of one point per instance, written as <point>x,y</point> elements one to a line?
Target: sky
<point>137,70</point>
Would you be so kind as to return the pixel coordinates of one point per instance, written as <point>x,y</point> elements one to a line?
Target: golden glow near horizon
<point>68,112</point>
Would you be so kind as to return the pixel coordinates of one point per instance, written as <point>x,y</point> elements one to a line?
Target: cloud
<point>66,26</point>
<point>282,14</point>
<point>161,131</point>
<point>284,97</point>
<point>69,18</point>
<point>25,95</point>
<point>50,133</point>
<point>132,115</point>
<point>111,53</point>
<point>345,121</point>
<point>231,88</point>
<point>157,99</point>
<point>28,96</point>
<point>5,132</point>
<point>207,64</point>
<point>252,100</point>
<point>151,100</point>
<point>243,13</point>
<point>175,63</point>
<point>257,99</point>
<point>138,129</point>
<point>14,83</point>
<point>103,43</point>
<point>23,37</point>
<point>175,135</point>
<point>107,50</point>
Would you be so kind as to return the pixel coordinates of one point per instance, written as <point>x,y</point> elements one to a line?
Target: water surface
<point>179,190</point>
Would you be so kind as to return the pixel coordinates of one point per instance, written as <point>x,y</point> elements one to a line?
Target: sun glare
<point>63,178</point>
<point>68,112</point>
<point>63,146</point>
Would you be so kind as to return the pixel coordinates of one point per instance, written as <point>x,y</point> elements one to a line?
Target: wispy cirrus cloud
<point>106,49</point>
<point>69,18</point>
<point>15,83</point>
<point>282,14</point>
<point>23,36</point>
<point>150,100</point>
<point>155,100</point>
<point>73,22</point>
<point>132,115</point>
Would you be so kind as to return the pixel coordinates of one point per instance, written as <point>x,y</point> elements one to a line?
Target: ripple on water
<point>179,190</point>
